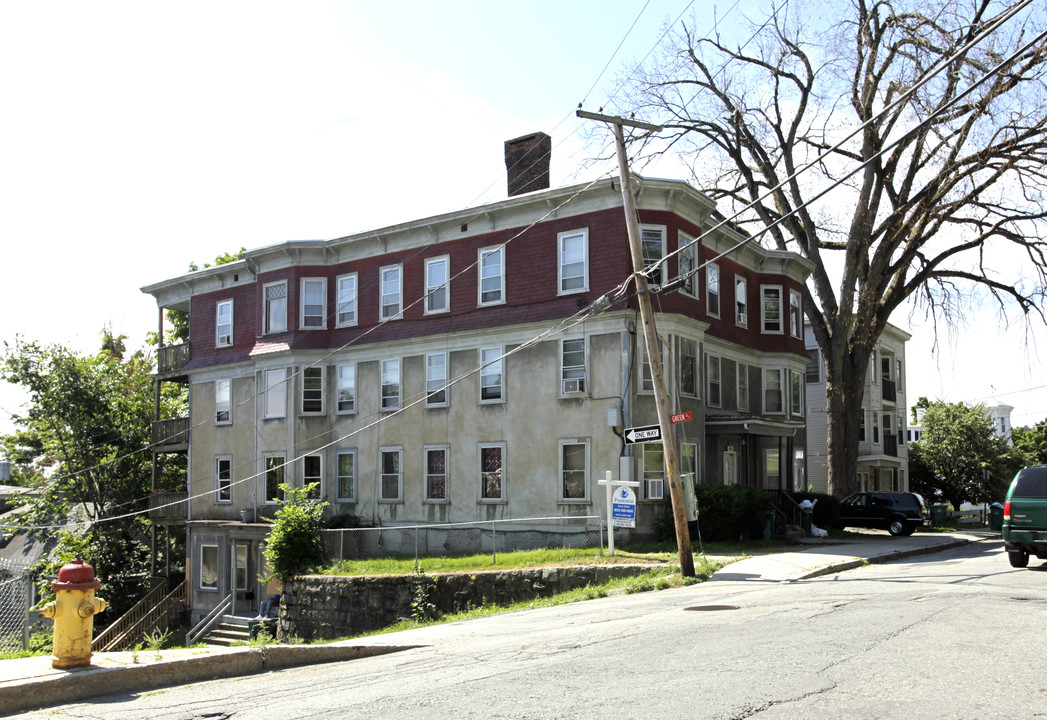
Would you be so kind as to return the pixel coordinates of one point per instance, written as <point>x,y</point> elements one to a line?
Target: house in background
<point>453,368</point>
<point>882,451</point>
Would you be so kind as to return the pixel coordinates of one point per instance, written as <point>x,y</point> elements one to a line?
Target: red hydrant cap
<point>78,574</point>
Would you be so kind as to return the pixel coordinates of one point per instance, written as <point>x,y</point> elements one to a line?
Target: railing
<point>207,624</point>
<point>169,505</point>
<point>156,610</point>
<point>889,391</point>
<point>171,432</point>
<point>785,507</point>
<point>172,358</point>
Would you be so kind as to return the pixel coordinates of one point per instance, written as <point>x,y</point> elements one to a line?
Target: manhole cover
<point>712,607</point>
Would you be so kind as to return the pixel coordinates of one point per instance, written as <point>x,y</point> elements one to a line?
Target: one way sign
<point>647,433</point>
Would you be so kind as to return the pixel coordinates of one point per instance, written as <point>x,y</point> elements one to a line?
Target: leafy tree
<point>293,545</point>
<point>960,457</point>
<point>1032,441</point>
<point>940,192</point>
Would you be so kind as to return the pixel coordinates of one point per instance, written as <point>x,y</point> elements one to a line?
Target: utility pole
<point>650,335</point>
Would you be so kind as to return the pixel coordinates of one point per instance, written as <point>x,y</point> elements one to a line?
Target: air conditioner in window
<point>225,339</point>
<point>574,385</point>
<point>654,489</point>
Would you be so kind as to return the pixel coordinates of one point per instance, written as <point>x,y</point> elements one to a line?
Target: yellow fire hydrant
<point>73,610</point>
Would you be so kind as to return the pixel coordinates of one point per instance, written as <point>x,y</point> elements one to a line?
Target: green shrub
<point>293,545</point>
<point>826,511</point>
<point>731,512</point>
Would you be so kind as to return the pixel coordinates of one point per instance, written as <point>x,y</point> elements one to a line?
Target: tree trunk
<point>845,375</point>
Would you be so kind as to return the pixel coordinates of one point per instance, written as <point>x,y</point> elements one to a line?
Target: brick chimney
<point>527,163</point>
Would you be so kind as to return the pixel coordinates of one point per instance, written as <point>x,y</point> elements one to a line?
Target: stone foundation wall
<point>315,607</point>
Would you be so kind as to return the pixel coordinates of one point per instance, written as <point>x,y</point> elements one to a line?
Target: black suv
<point>899,513</point>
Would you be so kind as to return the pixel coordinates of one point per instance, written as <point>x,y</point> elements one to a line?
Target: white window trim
<point>265,308</point>
<point>228,384</point>
<point>504,498</point>
<point>337,390</point>
<point>484,365</point>
<point>338,478</point>
<point>323,303</point>
<point>574,387</point>
<point>783,388</point>
<point>355,301</point>
<point>690,251</point>
<point>217,482</point>
<point>742,371</point>
<point>323,391</point>
<point>662,267</point>
<point>446,390</point>
<point>322,490</point>
<point>218,567</point>
<point>270,385</point>
<point>711,269</point>
<point>710,361</point>
<point>399,385</point>
<point>446,285</point>
<point>647,482</point>
<point>642,354</point>
<point>797,387</point>
<point>399,475</point>
<point>282,464</point>
<point>584,500</point>
<point>221,340</point>
<point>782,317</point>
<point>398,315</point>
<point>696,380</point>
<point>739,320</point>
<point>425,475</point>
<point>560,238</point>
<point>481,254</point>
<point>683,475</point>
<point>798,306</point>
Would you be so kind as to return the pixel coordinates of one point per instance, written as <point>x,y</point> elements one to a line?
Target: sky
<point>138,137</point>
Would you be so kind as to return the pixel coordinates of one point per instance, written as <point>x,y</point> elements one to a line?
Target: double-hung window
<point>813,374</point>
<point>223,479</point>
<point>437,276</point>
<point>492,472</point>
<point>345,302</point>
<point>345,461</point>
<point>652,247</point>
<point>273,475</point>
<point>574,471</point>
<point>876,427</point>
<point>712,369</point>
<point>492,275</point>
<point>741,302</point>
<point>572,366</point>
<point>223,402</point>
<point>391,384</point>
<point>712,290</point>
<point>391,484</point>
<point>346,391</point>
<point>861,426</point>
<point>275,401</point>
<point>771,308</point>
<point>796,391</point>
<point>688,367</point>
<point>688,262</point>
<point>224,324</point>
<point>209,567</point>
<point>742,383</point>
<point>492,385</point>
<point>772,391</point>
<point>313,474</point>
<point>314,303</point>
<point>274,307</point>
<point>795,314</point>
<point>574,261</point>
<point>654,471</point>
<point>436,380</point>
<point>436,473</point>
<point>312,390</point>
<point>392,288</point>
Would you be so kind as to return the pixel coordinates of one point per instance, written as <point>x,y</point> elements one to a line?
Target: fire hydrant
<point>73,610</point>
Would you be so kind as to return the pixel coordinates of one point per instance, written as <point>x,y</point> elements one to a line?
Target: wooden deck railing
<point>156,610</point>
<point>172,432</point>
<point>172,358</point>
<point>169,505</point>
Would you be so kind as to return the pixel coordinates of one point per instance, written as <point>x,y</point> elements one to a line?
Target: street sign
<point>623,508</point>
<point>647,433</point>
<point>680,417</point>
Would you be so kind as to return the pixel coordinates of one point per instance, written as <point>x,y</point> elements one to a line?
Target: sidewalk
<point>31,683</point>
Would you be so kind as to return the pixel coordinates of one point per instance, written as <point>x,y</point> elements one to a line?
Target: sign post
<point>621,506</point>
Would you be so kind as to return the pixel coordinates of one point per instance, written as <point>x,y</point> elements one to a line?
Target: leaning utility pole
<point>650,335</point>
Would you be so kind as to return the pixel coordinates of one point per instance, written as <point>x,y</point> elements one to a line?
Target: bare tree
<point>940,193</point>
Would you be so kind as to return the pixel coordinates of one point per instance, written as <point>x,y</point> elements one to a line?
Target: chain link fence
<point>471,538</point>
<point>16,598</point>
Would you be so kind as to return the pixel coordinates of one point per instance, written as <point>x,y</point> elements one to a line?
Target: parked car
<point>1025,516</point>
<point>899,513</point>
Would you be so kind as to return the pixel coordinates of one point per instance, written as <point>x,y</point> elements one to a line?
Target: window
<point>688,367</point>
<point>574,261</point>
<point>224,324</point>
<point>872,367</point>
<point>491,389</point>
<point>275,307</point>
<point>743,387</point>
<point>391,280</point>
<point>436,474</point>
<point>436,380</point>
<point>345,467</point>
<point>772,391</point>
<point>313,473</point>
<point>888,427</point>
<point>646,381</point>
<point>712,368</point>
<point>814,366</point>
<point>654,470</point>
<point>314,303</point>
<point>492,472</point>
<point>223,479</point>
<point>652,246</point>
<point>208,567</point>
<point>796,390</point>
<point>346,300</point>
<point>898,374</point>
<point>312,390</point>
<point>688,262</point>
<point>390,384</point>
<point>741,302</point>
<point>572,366</point>
<point>876,427</point>
<point>275,403</point>
<point>574,470</point>
<point>861,426</point>
<point>240,565</point>
<point>492,275</point>
<point>795,314</point>
<point>274,478</point>
<point>688,464</point>
<point>771,309</point>
<point>391,481</point>
<point>712,290</point>
<point>436,288</point>
<point>346,391</point>
<point>885,367</point>
<point>223,402</point>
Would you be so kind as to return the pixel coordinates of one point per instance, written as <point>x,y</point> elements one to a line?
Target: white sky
<point>139,136</point>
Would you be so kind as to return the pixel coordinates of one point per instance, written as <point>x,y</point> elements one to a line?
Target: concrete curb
<point>852,563</point>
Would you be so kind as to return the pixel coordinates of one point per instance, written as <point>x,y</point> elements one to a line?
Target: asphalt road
<point>956,634</point>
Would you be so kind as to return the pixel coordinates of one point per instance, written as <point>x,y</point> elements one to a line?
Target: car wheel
<point>1018,558</point>
<point>909,530</point>
<point>897,527</point>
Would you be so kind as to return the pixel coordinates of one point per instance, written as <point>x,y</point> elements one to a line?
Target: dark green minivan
<point>1025,516</point>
